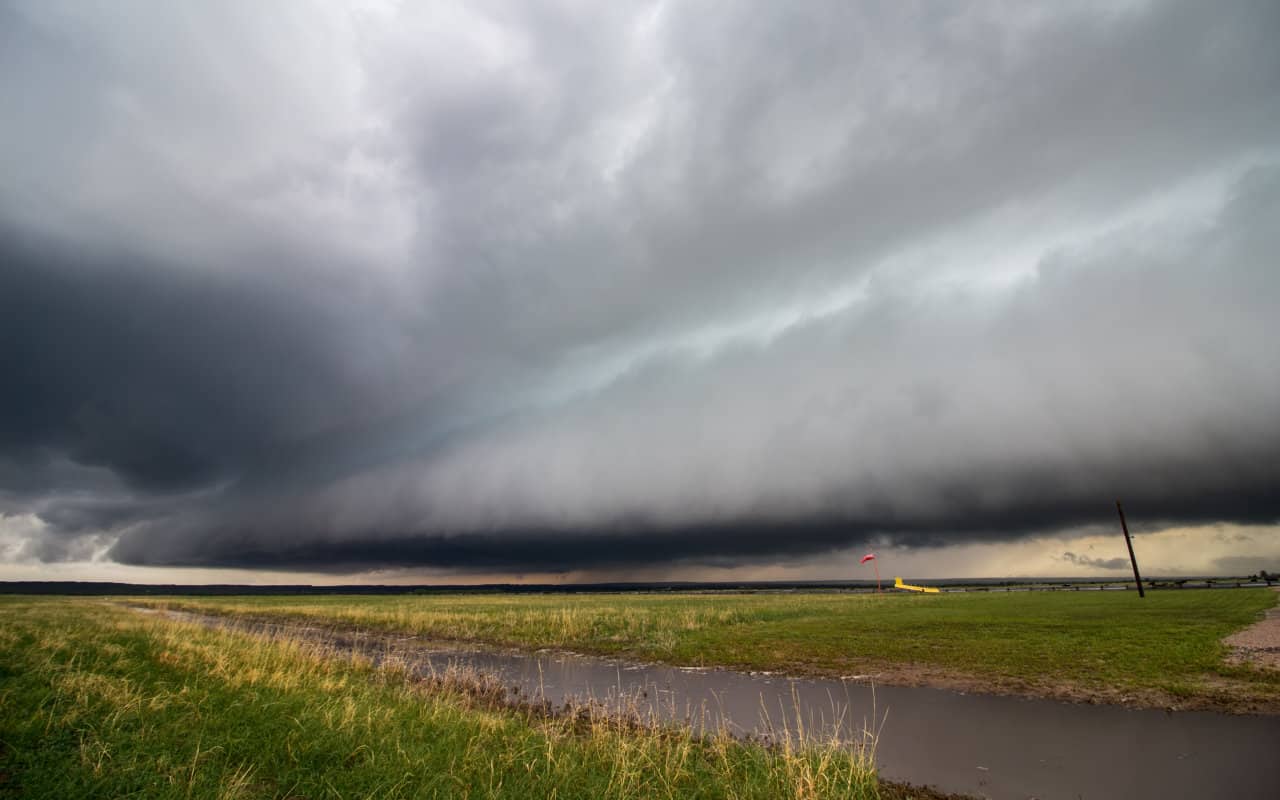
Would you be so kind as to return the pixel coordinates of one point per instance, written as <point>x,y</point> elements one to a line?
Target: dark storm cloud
<point>533,289</point>
<point>167,379</point>
<point>635,542</point>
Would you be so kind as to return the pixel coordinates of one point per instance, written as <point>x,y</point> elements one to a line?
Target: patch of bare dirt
<point>1258,644</point>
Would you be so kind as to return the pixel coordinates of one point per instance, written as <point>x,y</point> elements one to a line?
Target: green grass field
<point>100,701</point>
<point>1101,645</point>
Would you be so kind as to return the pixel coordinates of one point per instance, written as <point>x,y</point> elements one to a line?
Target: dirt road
<point>1259,643</point>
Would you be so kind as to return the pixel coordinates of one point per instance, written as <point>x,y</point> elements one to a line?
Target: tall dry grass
<point>102,701</point>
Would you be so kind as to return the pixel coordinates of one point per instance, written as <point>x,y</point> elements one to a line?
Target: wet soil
<point>1221,694</point>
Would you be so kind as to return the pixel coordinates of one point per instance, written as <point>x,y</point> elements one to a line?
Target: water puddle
<point>983,745</point>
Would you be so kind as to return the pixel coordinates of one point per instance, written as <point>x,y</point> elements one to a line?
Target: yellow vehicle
<point>898,584</point>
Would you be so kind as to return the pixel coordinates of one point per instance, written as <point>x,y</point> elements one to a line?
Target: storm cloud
<point>499,286</point>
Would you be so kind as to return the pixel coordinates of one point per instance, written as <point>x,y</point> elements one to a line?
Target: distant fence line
<point>1116,587</point>
<point>92,588</point>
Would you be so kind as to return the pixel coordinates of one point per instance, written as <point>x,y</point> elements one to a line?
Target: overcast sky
<point>508,290</point>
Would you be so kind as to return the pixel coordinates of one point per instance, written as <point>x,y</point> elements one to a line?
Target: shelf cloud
<point>511,287</point>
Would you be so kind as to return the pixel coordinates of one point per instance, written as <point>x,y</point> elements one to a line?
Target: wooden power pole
<point>1129,543</point>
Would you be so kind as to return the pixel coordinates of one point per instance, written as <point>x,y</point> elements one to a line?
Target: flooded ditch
<point>983,745</point>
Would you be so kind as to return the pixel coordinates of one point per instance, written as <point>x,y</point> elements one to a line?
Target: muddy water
<point>988,746</point>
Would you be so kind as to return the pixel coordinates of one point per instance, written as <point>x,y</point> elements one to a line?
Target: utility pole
<point>1129,542</point>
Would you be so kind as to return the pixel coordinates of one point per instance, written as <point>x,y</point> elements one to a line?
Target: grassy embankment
<point>1108,646</point>
<point>100,701</point>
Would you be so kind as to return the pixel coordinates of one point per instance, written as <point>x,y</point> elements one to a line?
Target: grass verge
<point>1103,646</point>
<point>98,701</point>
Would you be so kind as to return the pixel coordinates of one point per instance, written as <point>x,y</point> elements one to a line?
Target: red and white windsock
<point>872,558</point>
